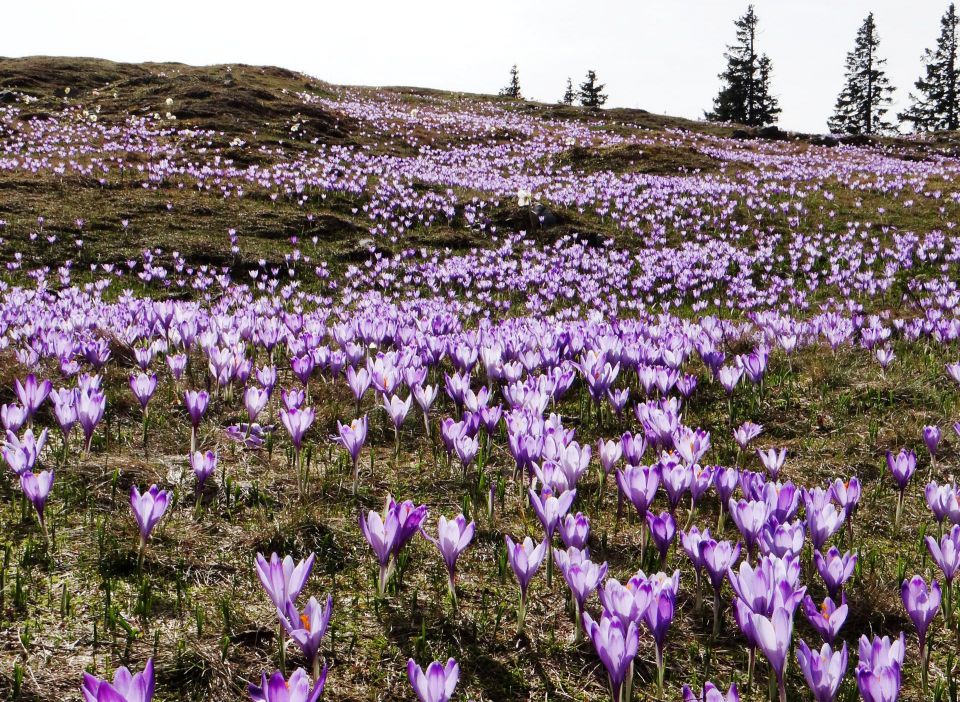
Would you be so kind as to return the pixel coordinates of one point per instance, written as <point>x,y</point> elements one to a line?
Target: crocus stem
<point>382,582</point>
<point>46,533</point>
<point>661,669</point>
<point>578,636</point>
<point>356,476</point>
<point>751,661</point>
<point>316,667</point>
<point>782,688</point>
<point>549,569</point>
<point>143,548</point>
<point>451,584</point>
<point>716,612</point>
<point>924,665</point>
<point>521,613</point>
<point>693,507</point>
<point>281,649</point>
<point>643,539</point>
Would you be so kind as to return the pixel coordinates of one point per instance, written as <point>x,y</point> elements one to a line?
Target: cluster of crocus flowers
<point>388,532</point>
<point>284,580</point>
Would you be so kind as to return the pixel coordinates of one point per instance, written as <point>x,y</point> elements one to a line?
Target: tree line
<point>863,105</point>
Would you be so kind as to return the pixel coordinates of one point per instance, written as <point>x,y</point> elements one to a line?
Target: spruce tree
<point>591,93</point>
<point>865,99</point>
<point>512,89</point>
<point>568,94</point>
<point>936,106</point>
<point>745,95</point>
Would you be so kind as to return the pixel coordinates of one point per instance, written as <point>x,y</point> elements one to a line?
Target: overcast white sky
<point>661,56</point>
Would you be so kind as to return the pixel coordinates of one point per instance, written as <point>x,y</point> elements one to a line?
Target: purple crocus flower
<point>944,502</point>
<point>13,417</point>
<point>283,580</point>
<point>633,448</point>
<point>255,399</point>
<point>783,501</point>
<point>609,452</point>
<point>773,635</point>
<point>879,684</point>
<point>204,465</point>
<point>750,516</point>
<point>902,466</point>
<point>37,489</point>
<point>827,618</point>
<point>308,628</point>
<point>453,536</point>
<point>745,433</point>
<point>823,670</point>
<point>437,683</point>
<point>143,387</point>
<point>126,687</point>
<point>397,409</point>
<point>381,531</point>
<point>718,558</point>
<point>946,553</point>
<point>823,521</point>
<point>65,410</point>
<point>616,645</point>
<point>953,370</point>
<point>177,364</point>
<point>782,540</point>
<point>878,670</point>
<point>296,689</point>
<point>847,495</point>
<point>639,485</point>
<point>21,454</point>
<point>90,408</point>
<point>409,519</point>
<point>525,560</point>
<point>550,509</point>
<point>574,530</point>
<point>772,460</point>
<point>711,693</point>
<point>582,576</point>
<point>293,398</point>
<point>676,478</point>
<point>148,508</point>
<point>658,617</point>
<point>835,569</point>
<point>931,438</point>
<point>32,393</point>
<point>196,402</point>
<point>663,529</point>
<point>352,436</point>
<point>922,604</point>
<point>297,422</point>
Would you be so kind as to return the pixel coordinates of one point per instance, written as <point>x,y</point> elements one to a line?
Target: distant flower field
<point>414,395</point>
